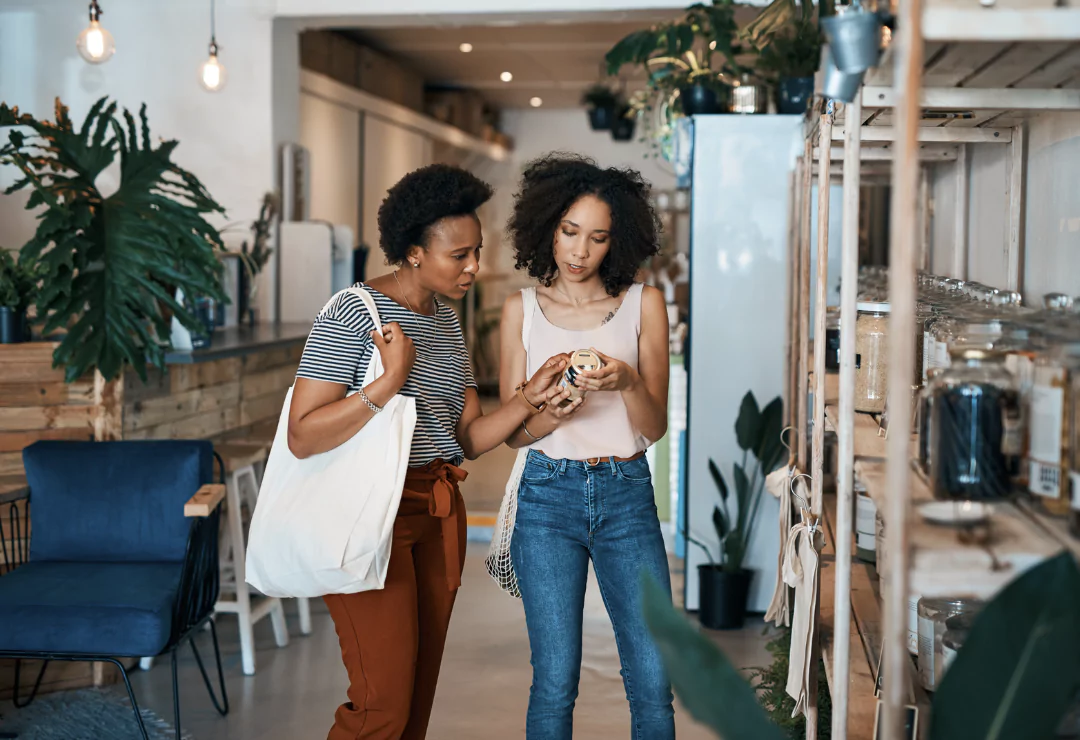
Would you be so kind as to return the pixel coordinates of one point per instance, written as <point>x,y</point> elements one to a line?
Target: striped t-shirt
<point>340,347</point>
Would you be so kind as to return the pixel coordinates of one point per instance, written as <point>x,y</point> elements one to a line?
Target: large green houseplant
<point>114,263</point>
<point>724,583</point>
<point>789,40</point>
<point>1016,675</point>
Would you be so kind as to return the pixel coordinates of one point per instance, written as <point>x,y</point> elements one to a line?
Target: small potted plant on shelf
<point>790,60</point>
<point>601,103</point>
<point>724,584</point>
<point>19,279</point>
<point>687,58</point>
<point>255,257</point>
<point>622,128</point>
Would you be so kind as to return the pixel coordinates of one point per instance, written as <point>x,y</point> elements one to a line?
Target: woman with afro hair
<point>586,493</point>
<point>392,639</point>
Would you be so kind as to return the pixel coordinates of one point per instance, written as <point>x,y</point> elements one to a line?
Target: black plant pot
<point>794,95</point>
<point>601,119</point>
<point>722,596</point>
<point>699,99</point>
<point>243,298</point>
<point>13,325</point>
<point>622,129</point>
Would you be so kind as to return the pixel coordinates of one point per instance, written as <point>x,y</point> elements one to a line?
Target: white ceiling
<point>552,61</point>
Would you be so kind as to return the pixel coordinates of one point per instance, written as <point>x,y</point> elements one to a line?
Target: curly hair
<point>420,200</point>
<point>549,188</point>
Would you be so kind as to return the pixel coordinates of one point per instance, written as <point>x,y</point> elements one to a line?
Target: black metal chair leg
<point>223,707</point>
<point>33,692</point>
<point>131,695</point>
<point>175,695</point>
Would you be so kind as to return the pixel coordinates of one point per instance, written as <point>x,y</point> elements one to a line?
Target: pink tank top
<point>602,426</point>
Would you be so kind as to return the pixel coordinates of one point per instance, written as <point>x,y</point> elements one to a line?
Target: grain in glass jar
<point>975,428</point>
<point>871,356</point>
<point>932,615</point>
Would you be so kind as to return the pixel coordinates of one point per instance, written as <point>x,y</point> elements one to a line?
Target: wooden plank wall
<point>36,403</point>
<point>208,399</point>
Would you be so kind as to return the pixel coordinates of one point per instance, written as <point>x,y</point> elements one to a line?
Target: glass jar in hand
<point>582,359</point>
<point>976,428</point>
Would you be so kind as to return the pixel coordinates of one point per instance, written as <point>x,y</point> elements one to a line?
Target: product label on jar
<point>941,354</point>
<point>948,655</point>
<point>926,638</point>
<point>1074,485</point>
<point>1022,368</point>
<point>913,625</point>
<point>865,541</point>
<point>1047,410</point>
<point>1012,434</point>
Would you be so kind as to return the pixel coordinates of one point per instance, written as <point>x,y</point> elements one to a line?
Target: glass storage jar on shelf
<point>957,628</point>
<point>932,616</point>
<point>923,418</point>
<point>1074,454</point>
<point>924,313</point>
<point>975,428</point>
<point>871,356</point>
<point>1049,438</point>
<point>865,524</point>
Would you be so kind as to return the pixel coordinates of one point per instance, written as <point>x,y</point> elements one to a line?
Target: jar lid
<point>975,351</point>
<point>872,307</point>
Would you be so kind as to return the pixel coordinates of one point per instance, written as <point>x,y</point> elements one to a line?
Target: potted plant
<point>622,128</point>
<point>19,280</point>
<point>790,59</point>
<point>255,257</point>
<point>113,264</point>
<point>724,583</point>
<point>601,102</point>
<point>681,57</point>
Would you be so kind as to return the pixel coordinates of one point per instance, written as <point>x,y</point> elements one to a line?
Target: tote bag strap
<point>375,368</point>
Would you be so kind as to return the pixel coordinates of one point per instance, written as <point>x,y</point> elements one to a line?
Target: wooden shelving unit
<point>955,73</point>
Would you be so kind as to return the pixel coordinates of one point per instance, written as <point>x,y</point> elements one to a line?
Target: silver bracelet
<point>370,405</point>
<point>532,436</point>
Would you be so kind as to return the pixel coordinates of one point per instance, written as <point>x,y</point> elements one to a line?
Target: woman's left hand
<point>615,375</point>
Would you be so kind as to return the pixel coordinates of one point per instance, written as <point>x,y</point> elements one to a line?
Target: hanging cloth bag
<point>324,524</point>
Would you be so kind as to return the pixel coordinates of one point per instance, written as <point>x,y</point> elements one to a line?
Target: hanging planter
<point>601,103</point>
<point>854,35</point>
<point>622,129</point>
<point>839,85</point>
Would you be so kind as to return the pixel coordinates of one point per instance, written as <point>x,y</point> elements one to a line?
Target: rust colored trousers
<point>392,640</point>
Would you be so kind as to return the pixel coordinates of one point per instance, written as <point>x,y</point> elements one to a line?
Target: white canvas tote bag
<point>324,525</point>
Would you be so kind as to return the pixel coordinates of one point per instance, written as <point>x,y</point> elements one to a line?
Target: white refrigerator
<point>740,169</point>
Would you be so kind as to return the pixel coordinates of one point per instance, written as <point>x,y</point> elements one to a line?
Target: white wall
<point>1051,214</point>
<point>226,139</point>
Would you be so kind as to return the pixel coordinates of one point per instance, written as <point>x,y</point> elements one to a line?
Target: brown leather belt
<point>594,461</point>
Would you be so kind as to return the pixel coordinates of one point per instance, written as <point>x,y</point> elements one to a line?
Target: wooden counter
<point>240,379</point>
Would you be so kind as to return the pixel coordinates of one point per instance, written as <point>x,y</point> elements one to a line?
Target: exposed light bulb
<point>536,102</point>
<point>465,48</point>
<point>506,77</point>
<point>712,45</point>
<point>212,72</point>
<point>95,44</point>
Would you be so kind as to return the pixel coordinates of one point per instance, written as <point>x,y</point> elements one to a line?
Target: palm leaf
<point>748,423</point>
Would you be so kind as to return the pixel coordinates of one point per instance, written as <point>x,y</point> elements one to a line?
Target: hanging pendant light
<point>212,72</point>
<point>95,44</point>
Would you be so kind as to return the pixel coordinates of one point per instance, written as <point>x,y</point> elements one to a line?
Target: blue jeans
<point>569,512</point>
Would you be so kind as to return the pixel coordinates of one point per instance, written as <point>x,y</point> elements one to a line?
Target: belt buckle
<point>592,461</point>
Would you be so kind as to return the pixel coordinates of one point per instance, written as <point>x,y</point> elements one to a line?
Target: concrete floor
<point>484,686</point>
<point>483,689</point>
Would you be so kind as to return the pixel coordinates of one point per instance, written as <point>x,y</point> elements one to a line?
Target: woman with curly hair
<point>392,639</point>
<point>586,492</point>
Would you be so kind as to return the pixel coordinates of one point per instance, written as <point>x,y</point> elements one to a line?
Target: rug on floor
<point>85,714</point>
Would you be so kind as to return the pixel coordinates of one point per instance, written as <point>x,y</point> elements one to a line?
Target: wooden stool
<point>258,438</point>
<point>241,489</point>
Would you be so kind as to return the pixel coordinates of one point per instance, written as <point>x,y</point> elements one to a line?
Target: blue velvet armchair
<point>122,559</point>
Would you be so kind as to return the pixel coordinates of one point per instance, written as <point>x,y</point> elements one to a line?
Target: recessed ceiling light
<point>536,102</point>
<point>465,48</point>
<point>506,77</point>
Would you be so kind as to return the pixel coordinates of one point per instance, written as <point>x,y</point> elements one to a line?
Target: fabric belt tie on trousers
<point>444,491</point>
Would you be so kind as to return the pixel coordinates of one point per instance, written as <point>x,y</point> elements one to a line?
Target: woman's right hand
<point>555,413</point>
<point>397,351</point>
